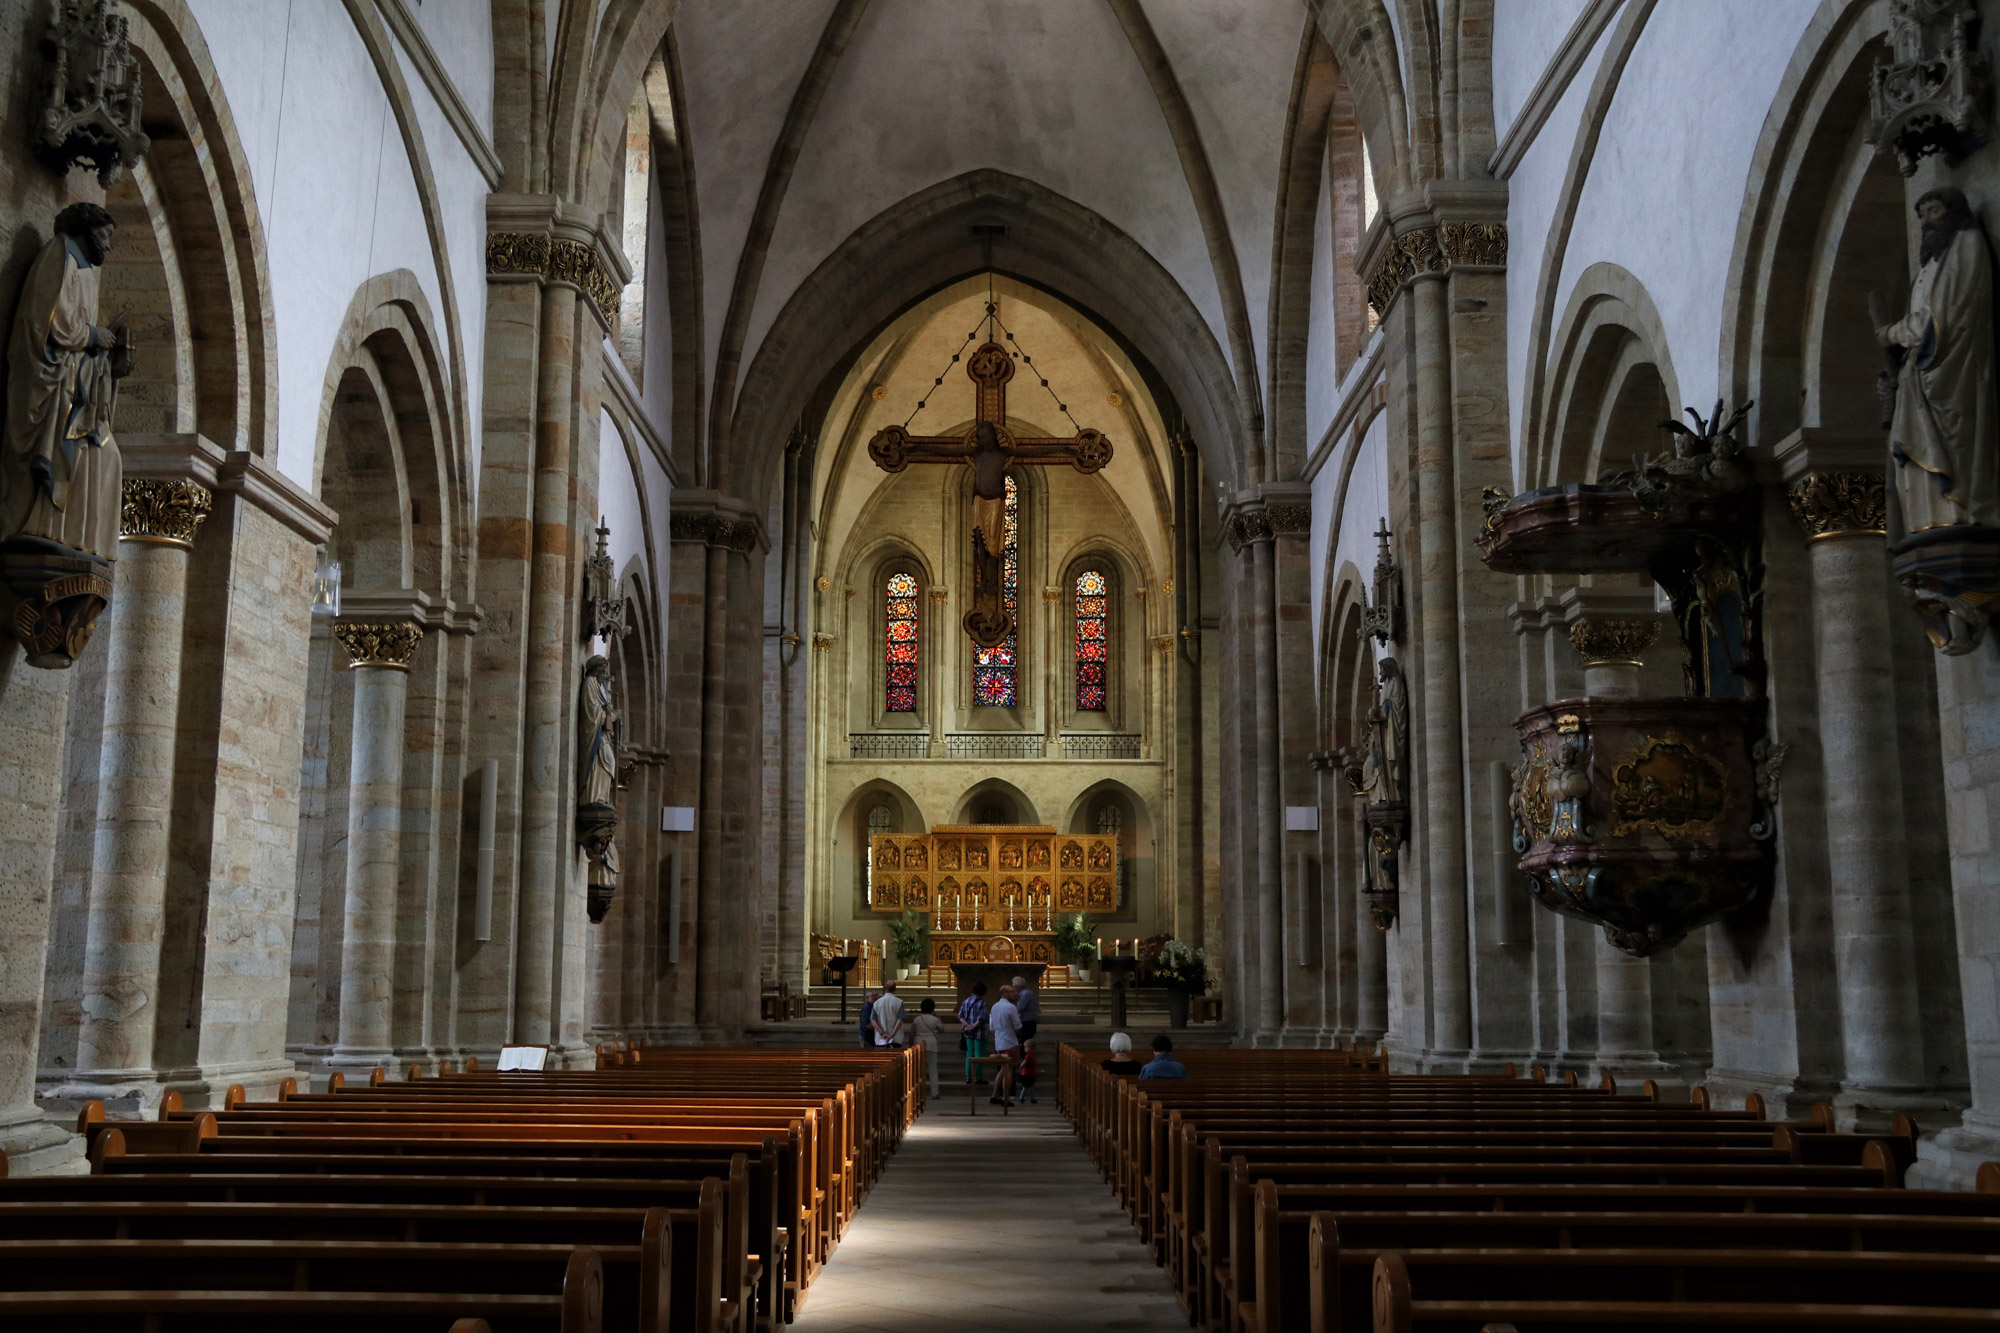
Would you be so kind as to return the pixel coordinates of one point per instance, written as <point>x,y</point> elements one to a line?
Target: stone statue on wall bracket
<point>1383,772</point>
<point>60,473</point>
<point>1943,519</point>
<point>1383,777</point>
<point>90,116</point>
<point>598,741</point>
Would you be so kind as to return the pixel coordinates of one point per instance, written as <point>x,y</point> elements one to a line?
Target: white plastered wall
<point>1669,217</point>
<point>339,198</point>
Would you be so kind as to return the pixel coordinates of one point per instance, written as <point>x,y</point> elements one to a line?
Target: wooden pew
<point>714,1212</point>
<point>1291,1276</point>
<point>1683,1291</point>
<point>103,1306</point>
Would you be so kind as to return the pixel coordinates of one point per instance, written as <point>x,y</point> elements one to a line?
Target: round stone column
<point>1613,651</point>
<point>1867,876</point>
<point>379,653</point>
<point>135,782</point>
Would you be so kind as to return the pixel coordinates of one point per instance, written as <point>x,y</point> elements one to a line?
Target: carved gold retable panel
<point>993,891</point>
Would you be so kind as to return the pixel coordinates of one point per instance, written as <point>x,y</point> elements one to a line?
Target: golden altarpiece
<point>993,892</point>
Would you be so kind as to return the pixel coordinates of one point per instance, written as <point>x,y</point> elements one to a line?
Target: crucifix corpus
<point>989,448</point>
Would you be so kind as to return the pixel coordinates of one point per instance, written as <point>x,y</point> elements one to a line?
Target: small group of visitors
<point>1009,1024</point>
<point>1162,1065</point>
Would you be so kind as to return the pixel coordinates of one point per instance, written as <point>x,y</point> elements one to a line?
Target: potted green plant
<point>1076,943</point>
<point>912,933</point>
<point>1183,970</point>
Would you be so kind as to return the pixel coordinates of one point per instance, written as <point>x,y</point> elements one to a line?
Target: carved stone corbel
<point>90,116</point>
<point>1928,97</point>
<point>603,609</point>
<point>1382,616</point>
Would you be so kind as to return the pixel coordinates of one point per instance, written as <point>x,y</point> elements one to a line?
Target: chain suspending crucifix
<point>989,448</point>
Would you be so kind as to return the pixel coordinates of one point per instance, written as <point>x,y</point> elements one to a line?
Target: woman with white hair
<point>1121,1061</point>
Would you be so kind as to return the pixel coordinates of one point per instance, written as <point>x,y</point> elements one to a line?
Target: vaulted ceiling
<point>1161,123</point>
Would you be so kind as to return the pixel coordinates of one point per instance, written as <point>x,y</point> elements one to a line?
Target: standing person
<point>888,1020</point>
<point>972,1025</point>
<point>1030,1066</point>
<point>1163,1064</point>
<point>1030,1005</point>
<point>867,1031</point>
<point>1005,1022</point>
<point>924,1031</point>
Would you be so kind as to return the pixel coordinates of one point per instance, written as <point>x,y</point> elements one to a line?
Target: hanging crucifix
<point>990,447</point>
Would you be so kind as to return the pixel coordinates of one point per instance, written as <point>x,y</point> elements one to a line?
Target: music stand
<point>842,966</point>
<point>1120,971</point>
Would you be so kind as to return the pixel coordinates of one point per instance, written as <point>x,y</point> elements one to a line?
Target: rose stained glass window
<point>899,691</point>
<point>994,670</point>
<point>1093,593</point>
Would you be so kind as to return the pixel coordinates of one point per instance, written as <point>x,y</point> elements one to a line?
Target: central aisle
<point>991,1223</point>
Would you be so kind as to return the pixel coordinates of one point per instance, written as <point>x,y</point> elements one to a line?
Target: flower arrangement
<point>1181,966</point>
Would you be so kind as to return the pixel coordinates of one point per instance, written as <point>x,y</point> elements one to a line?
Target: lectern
<point>1120,971</point>
<point>842,966</point>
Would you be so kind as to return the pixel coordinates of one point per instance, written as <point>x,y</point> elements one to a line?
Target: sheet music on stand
<point>523,1057</point>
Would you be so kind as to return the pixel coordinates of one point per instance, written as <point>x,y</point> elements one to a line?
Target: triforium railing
<point>985,745</point>
<point>888,745</point>
<point>1100,746</point>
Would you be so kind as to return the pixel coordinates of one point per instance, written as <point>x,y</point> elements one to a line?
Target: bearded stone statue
<point>60,473</point>
<point>1944,435</point>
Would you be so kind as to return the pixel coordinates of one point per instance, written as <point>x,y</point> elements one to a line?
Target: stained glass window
<point>1093,594</point>
<point>899,692</point>
<point>994,670</point>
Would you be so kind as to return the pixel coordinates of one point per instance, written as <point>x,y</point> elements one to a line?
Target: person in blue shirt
<point>1163,1064</point>
<point>868,1021</point>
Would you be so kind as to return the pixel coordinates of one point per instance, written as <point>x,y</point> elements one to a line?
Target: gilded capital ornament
<point>166,513</point>
<point>379,643</point>
<point>1840,504</point>
<point>1607,642</point>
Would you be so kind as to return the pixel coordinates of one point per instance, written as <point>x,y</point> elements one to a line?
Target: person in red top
<point>1024,1076</point>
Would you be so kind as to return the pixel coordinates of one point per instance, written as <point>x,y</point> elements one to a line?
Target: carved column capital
<point>1604,641</point>
<point>166,513</point>
<point>1840,504</point>
<point>379,643</point>
<point>1434,249</point>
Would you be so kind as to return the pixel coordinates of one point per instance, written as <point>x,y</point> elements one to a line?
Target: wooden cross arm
<point>1087,450</point>
<point>894,449</point>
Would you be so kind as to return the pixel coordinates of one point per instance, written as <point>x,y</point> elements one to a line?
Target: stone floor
<point>990,1223</point>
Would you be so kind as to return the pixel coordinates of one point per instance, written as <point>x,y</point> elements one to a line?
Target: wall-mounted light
<point>326,586</point>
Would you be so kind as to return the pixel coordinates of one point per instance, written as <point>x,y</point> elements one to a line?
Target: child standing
<point>1025,1075</point>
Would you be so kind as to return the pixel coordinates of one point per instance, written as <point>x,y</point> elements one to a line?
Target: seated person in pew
<point>1121,1061</point>
<point>1163,1064</point>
